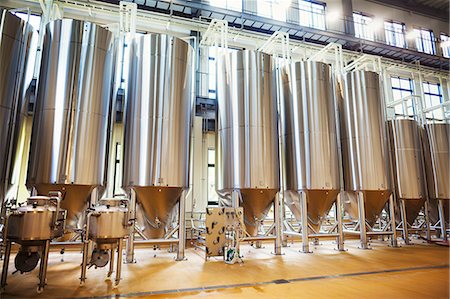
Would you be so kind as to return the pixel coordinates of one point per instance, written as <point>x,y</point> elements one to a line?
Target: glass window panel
<point>395,82</point>
<point>405,84</point>
<point>445,45</point>
<point>235,5</point>
<point>397,94</point>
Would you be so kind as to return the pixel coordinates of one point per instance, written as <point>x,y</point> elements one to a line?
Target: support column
<point>130,242</point>
<point>404,221</point>
<point>84,262</point>
<point>362,220</point>
<point>5,264</point>
<point>304,213</point>
<point>442,218</point>
<point>394,242</point>
<point>43,267</point>
<point>427,220</point>
<point>181,227</point>
<point>235,199</point>
<point>340,238</point>
<point>278,224</point>
<point>111,262</point>
<point>119,262</point>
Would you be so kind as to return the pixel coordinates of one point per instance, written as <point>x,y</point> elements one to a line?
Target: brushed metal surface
<point>364,144</point>
<point>35,221</point>
<point>109,220</point>
<point>71,123</point>
<point>158,124</point>
<point>407,156</point>
<point>15,40</point>
<point>309,140</point>
<point>247,130</point>
<point>437,159</point>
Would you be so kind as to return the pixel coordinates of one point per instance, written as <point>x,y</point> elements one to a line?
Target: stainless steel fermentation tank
<point>309,145</point>
<point>437,158</point>
<point>15,40</point>
<point>69,143</point>
<point>157,131</point>
<point>408,170</point>
<point>247,161</point>
<point>365,154</point>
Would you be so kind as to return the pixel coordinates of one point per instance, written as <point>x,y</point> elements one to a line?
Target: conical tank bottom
<point>256,204</point>
<point>413,207</point>
<point>319,203</point>
<point>74,200</point>
<point>374,202</point>
<point>157,204</point>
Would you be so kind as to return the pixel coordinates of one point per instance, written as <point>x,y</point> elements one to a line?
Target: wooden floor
<point>416,271</point>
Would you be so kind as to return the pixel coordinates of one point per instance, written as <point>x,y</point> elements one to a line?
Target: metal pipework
<point>33,226</point>
<point>107,225</point>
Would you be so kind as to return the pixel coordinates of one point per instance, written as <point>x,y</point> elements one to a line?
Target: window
<point>274,9</point>
<point>425,41</point>
<point>235,5</point>
<point>395,34</point>
<point>312,14</point>
<point>401,88</point>
<point>362,26</point>
<point>445,45</point>
<point>432,97</point>
<point>213,198</point>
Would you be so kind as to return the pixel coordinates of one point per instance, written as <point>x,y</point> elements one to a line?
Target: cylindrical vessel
<point>109,220</point>
<point>15,39</point>
<point>406,153</point>
<point>158,125</point>
<point>247,132</point>
<point>72,116</point>
<point>365,156</point>
<point>437,162</point>
<point>309,140</point>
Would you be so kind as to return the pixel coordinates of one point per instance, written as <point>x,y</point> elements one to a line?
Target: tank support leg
<point>84,262</point>
<point>442,218</point>
<point>111,261</point>
<point>43,266</point>
<point>304,213</point>
<point>427,220</point>
<point>6,263</point>
<point>394,242</point>
<point>338,212</point>
<point>404,221</point>
<point>278,224</point>
<point>362,221</point>
<point>181,227</point>
<point>130,242</point>
<point>119,261</point>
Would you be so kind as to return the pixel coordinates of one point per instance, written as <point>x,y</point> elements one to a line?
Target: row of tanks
<point>299,153</point>
<point>71,144</point>
<point>257,136</point>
